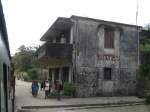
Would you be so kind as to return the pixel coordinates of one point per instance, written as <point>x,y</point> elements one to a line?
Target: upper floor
<point>92,39</point>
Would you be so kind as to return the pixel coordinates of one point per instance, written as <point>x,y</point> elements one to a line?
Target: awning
<point>60,26</point>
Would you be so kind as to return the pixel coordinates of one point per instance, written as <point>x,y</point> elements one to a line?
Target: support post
<point>60,74</point>
<point>70,74</point>
<point>53,73</point>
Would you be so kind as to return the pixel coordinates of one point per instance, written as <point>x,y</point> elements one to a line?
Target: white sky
<point>28,20</point>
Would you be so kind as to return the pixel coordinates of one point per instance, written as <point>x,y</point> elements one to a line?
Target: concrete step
<point>75,106</point>
<point>104,106</point>
<point>23,110</point>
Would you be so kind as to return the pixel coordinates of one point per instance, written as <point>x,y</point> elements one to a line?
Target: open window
<point>109,38</point>
<point>107,73</point>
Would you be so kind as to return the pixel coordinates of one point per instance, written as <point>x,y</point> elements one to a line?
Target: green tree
<point>144,77</point>
<point>145,39</point>
<point>24,60</point>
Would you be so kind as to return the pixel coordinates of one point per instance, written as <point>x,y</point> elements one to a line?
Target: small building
<point>99,57</point>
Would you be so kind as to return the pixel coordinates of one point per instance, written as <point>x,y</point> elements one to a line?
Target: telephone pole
<point>137,8</point>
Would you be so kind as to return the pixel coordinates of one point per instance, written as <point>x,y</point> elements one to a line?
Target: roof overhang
<point>61,25</point>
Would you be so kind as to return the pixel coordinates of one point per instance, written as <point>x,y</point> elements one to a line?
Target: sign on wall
<point>109,57</point>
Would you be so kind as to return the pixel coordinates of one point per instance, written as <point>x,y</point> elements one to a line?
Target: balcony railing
<point>55,54</point>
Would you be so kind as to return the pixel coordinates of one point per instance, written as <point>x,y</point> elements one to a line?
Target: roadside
<point>137,108</point>
<point>24,100</point>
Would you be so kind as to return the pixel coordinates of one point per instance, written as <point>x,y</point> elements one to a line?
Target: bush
<point>33,74</point>
<point>69,89</point>
<point>147,99</point>
<point>26,78</point>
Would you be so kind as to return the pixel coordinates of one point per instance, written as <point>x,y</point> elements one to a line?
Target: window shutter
<point>108,38</point>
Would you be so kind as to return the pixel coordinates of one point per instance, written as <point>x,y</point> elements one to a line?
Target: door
<point>5,87</point>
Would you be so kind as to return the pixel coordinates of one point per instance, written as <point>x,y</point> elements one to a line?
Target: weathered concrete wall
<point>128,60</point>
<point>90,58</point>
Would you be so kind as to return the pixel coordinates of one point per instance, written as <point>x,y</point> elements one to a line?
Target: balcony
<point>55,54</point>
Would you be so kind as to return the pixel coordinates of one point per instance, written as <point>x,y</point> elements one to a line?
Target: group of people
<point>48,87</point>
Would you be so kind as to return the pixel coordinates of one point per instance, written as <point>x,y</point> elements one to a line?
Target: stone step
<point>104,106</point>
<point>86,105</point>
<point>23,110</point>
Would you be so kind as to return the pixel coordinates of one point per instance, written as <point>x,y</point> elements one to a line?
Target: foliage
<point>145,33</point>
<point>143,86</point>
<point>24,58</point>
<point>69,89</point>
<point>147,99</point>
<point>26,78</point>
<point>34,74</point>
<point>145,69</point>
<point>145,40</point>
<point>145,45</point>
<point>144,77</point>
<point>23,61</point>
<point>145,49</point>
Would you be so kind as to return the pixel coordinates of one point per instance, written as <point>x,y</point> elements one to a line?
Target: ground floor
<point>106,81</point>
<point>96,81</point>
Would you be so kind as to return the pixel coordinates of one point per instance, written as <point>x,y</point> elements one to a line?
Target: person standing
<point>35,88</point>
<point>46,88</point>
<point>39,84</point>
<point>58,88</point>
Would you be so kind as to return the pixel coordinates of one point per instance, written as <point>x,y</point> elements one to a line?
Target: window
<point>107,73</point>
<point>109,38</point>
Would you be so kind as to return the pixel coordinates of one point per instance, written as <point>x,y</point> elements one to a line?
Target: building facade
<point>99,57</point>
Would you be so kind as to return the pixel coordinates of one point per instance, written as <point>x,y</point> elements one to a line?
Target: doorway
<point>5,86</point>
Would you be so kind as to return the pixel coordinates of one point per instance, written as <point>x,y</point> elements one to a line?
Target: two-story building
<point>99,57</point>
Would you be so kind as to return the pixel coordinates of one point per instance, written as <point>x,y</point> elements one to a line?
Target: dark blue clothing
<point>35,88</point>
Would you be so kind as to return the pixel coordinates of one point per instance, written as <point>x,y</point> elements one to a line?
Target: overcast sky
<point>28,20</point>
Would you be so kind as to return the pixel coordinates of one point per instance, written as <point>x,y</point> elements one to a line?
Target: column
<point>70,74</point>
<point>50,74</point>
<point>71,35</point>
<point>60,74</point>
<point>53,73</point>
<point>47,74</point>
<point>54,40</point>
